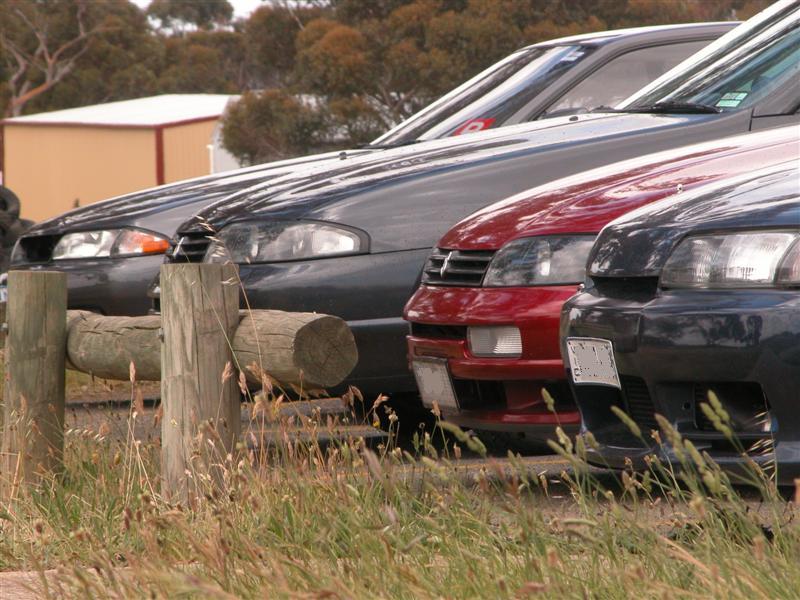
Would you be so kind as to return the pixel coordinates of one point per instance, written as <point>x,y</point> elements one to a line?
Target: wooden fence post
<point>33,398</point>
<point>199,390</point>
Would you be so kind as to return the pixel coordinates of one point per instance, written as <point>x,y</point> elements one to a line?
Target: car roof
<point>601,38</point>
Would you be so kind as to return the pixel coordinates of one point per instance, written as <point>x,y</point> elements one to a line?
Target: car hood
<point>639,243</point>
<point>408,197</point>
<point>586,202</point>
<point>163,208</point>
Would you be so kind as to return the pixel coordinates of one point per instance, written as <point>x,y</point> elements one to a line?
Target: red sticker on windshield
<point>474,125</point>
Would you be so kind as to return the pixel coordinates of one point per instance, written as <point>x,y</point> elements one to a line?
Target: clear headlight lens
<point>546,260</point>
<point>85,244</point>
<point>752,259</point>
<point>109,243</point>
<point>254,242</point>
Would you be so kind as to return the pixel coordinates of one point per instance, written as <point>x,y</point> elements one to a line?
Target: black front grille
<point>439,332</point>
<point>38,248</point>
<point>701,421</point>
<point>627,288</point>
<point>190,247</point>
<point>464,268</point>
<point>476,394</point>
<point>638,404</point>
<point>744,401</point>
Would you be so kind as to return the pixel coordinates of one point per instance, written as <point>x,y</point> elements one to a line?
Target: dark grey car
<point>566,76</point>
<point>351,240</point>
<point>696,294</point>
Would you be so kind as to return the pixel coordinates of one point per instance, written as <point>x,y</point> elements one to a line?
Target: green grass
<point>347,522</point>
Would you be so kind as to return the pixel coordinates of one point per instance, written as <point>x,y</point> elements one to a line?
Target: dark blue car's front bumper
<point>111,286</point>
<point>672,349</point>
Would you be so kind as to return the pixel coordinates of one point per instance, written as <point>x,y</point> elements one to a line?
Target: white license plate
<point>434,382</point>
<point>591,361</point>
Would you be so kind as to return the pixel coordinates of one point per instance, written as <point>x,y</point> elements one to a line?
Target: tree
<point>272,125</point>
<point>121,63</point>
<point>269,40</point>
<point>203,62</point>
<point>42,43</point>
<point>204,14</point>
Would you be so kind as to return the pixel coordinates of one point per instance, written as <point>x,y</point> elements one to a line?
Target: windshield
<point>733,73</point>
<point>490,98</point>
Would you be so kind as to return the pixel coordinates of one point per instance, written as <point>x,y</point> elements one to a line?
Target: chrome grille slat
<point>191,247</point>
<point>464,268</point>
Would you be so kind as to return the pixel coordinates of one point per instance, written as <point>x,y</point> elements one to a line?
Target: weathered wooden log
<point>307,350</point>
<point>199,395</point>
<point>106,346</point>
<point>33,399</point>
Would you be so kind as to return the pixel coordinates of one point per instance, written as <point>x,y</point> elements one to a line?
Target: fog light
<point>495,341</point>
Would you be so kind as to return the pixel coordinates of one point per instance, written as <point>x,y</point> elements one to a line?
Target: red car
<point>484,321</point>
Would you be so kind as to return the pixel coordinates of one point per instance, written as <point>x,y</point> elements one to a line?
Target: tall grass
<point>346,521</point>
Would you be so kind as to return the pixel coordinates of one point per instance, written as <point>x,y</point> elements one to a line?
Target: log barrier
<point>197,347</point>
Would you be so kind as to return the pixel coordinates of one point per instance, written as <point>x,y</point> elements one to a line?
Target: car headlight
<point>109,243</point>
<point>545,260</point>
<point>752,259</point>
<point>256,242</point>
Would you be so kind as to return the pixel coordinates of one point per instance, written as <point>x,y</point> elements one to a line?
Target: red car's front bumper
<point>496,393</point>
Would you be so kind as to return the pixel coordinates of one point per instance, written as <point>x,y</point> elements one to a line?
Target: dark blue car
<point>689,296</point>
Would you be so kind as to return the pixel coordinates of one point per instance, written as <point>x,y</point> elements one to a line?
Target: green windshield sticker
<point>731,99</point>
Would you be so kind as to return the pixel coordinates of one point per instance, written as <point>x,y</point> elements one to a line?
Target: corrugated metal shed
<point>57,160</point>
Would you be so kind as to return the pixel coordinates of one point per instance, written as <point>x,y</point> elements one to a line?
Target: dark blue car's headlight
<point>106,243</point>
<point>543,260</point>
<point>261,242</point>
<point>738,259</point>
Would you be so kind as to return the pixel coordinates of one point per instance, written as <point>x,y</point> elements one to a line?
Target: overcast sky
<point>241,8</point>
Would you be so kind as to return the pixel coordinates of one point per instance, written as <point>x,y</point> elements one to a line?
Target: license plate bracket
<point>435,383</point>
<point>591,362</point>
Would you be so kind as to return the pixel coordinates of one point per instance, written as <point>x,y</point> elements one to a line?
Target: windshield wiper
<point>675,107</point>
<point>604,109</point>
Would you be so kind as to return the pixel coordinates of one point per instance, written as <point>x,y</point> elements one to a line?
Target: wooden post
<point>33,399</point>
<point>199,391</point>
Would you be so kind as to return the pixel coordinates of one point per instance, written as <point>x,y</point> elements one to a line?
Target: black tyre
<point>9,203</point>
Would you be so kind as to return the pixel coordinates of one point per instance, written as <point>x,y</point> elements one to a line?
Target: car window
<point>462,96</point>
<point>735,72</point>
<point>616,80</point>
<point>499,106</point>
<point>488,99</point>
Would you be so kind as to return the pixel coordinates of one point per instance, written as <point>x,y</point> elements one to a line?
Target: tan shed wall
<point>186,150</point>
<point>48,167</point>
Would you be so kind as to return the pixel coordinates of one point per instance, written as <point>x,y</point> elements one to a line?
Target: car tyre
<point>9,202</point>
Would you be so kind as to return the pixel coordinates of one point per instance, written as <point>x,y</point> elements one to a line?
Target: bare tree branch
<point>54,64</point>
<point>287,6</point>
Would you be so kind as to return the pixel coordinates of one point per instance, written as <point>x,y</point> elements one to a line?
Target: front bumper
<point>672,349</point>
<point>111,286</point>
<point>496,393</point>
